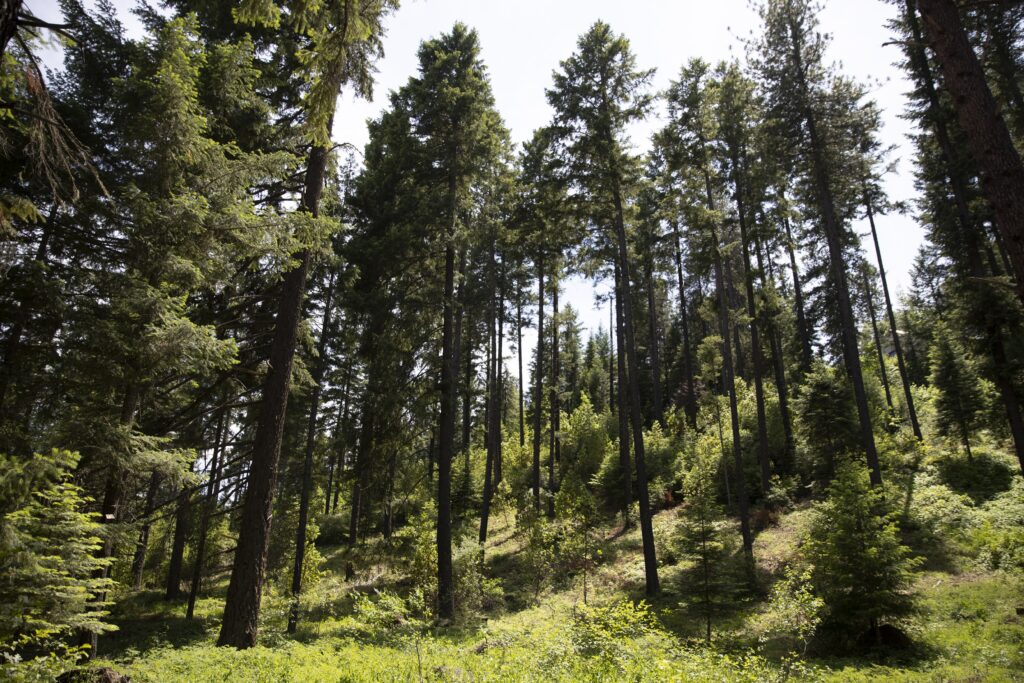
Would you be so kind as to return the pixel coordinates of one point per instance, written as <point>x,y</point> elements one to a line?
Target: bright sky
<point>524,40</point>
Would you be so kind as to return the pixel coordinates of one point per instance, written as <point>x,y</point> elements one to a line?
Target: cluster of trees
<point>242,331</point>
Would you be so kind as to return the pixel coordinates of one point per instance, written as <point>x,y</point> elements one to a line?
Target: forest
<point>267,411</point>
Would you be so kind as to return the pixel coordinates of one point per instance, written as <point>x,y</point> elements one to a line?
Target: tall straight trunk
<point>969,231</point>
<point>729,385</point>
<point>837,262</point>
<point>210,506</point>
<point>139,560</point>
<point>553,447</point>
<point>360,471</point>
<point>802,326</point>
<point>990,144</point>
<point>182,522</point>
<point>897,346</point>
<point>653,342</point>
<point>500,379</point>
<point>242,606</point>
<point>729,380</point>
<point>755,337</point>
<point>538,396</point>
<point>684,323</point>
<point>652,584</point>
<point>449,369</point>
<point>778,362</point>
<point>611,352</point>
<point>519,351</point>
<point>307,462</point>
<point>493,423</point>
<point>338,461</point>
<point>882,373</point>
<point>622,414</point>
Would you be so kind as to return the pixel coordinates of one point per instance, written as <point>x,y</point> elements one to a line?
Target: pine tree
<point>596,94</point>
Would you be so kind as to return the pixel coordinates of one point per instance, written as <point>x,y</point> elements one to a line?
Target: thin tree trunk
<point>553,447</point>
<point>882,373</point>
<point>653,343</point>
<point>219,447</point>
<point>519,350</point>
<point>622,415</point>
<point>803,329</point>
<point>307,462</point>
<point>139,560</point>
<point>691,395</point>
<point>449,368</point>
<point>897,346</point>
<point>755,338</point>
<point>182,522</point>
<point>538,396</point>
<point>837,262</point>
<point>653,586</point>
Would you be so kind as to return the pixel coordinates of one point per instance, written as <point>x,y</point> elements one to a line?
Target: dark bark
<point>242,606</point>
<point>652,584</point>
<point>653,342</point>
<point>9,10</point>
<point>990,144</point>
<point>778,363</point>
<point>755,337</point>
<point>897,346</point>
<point>882,373</point>
<point>690,402</point>
<point>210,506</point>
<point>139,559</point>
<point>553,446</point>
<point>449,368</point>
<point>623,402</point>
<point>182,523</point>
<point>538,396</point>
<point>519,350</point>
<point>837,262</point>
<point>307,462</point>
<point>802,326</point>
<point>969,232</point>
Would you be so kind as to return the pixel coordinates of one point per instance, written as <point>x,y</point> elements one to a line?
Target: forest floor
<point>967,626</point>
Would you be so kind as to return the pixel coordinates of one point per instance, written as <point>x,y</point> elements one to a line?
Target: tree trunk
<point>139,560</point>
<point>837,263</point>
<point>897,346</point>
<point>219,447</point>
<point>755,338</point>
<point>553,447</point>
<point>538,396</point>
<point>449,368</point>
<point>878,340</point>
<point>691,395</point>
<point>803,328</point>
<point>653,586</point>
<point>622,414</point>
<point>242,606</point>
<point>519,350</point>
<point>307,462</point>
<point>990,144</point>
<point>653,350</point>
<point>182,522</point>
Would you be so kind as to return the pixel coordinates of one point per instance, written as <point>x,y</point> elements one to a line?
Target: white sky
<point>524,40</point>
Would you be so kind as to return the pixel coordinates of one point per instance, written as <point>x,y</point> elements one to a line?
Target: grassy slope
<point>967,629</point>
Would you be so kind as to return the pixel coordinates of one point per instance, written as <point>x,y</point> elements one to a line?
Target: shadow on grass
<point>145,620</point>
<point>982,478</point>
